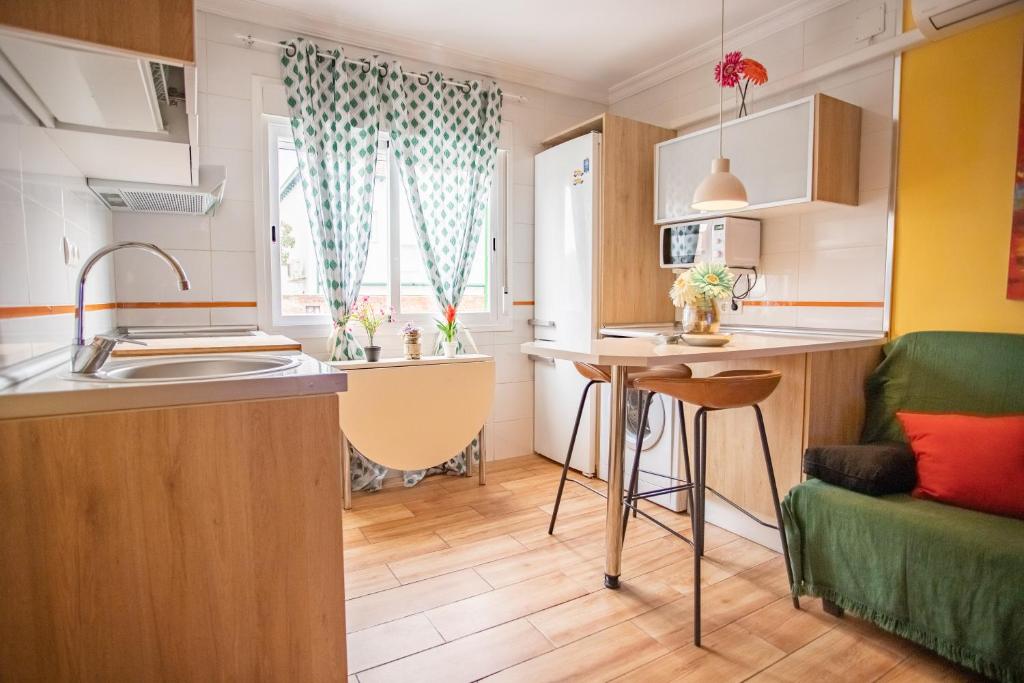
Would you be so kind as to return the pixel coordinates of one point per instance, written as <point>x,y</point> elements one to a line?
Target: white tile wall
<point>220,250</point>
<point>43,199</point>
<point>826,254</point>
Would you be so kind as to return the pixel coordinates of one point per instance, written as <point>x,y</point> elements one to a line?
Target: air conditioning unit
<point>938,19</point>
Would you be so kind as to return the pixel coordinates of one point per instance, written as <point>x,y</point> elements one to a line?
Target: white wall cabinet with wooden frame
<point>804,151</point>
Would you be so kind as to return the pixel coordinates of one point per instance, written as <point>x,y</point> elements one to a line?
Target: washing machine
<point>662,454</point>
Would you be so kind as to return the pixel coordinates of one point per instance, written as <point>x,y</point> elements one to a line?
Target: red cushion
<point>968,460</point>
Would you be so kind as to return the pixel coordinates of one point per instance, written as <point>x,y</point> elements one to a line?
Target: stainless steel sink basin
<point>193,368</point>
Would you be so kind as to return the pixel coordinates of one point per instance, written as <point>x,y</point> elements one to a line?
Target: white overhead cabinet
<point>804,151</point>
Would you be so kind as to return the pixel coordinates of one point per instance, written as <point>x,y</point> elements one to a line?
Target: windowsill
<point>387,329</point>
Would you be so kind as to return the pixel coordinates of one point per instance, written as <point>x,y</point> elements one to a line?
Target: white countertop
<point>648,351</point>
<point>54,393</point>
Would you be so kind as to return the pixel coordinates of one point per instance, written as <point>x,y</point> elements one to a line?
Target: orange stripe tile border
<point>9,312</point>
<point>819,304</point>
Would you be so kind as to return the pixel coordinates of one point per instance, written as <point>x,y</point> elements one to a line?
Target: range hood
<point>151,198</point>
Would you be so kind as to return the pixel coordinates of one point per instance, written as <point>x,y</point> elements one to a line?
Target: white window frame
<point>498,318</point>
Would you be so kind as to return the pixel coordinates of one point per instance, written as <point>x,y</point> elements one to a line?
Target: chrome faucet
<point>88,358</point>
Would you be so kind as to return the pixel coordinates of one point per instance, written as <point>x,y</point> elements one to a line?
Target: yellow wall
<point>959,108</point>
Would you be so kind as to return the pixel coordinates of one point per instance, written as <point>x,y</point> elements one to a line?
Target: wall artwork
<point>1015,276</point>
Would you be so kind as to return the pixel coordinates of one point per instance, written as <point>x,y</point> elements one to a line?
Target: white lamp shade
<point>720,190</point>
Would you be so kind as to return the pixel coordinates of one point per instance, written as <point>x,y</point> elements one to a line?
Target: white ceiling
<point>599,43</point>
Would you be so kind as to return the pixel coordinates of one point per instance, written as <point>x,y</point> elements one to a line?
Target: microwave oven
<point>733,242</point>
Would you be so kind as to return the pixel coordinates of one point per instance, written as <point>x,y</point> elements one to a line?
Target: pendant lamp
<point>720,190</point>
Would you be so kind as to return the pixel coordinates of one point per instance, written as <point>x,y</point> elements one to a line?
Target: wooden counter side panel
<point>633,288</point>
<point>835,400</point>
<point>190,544</point>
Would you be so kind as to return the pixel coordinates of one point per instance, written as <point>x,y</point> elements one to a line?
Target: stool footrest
<point>660,492</point>
<point>743,510</point>
<point>635,508</point>
<point>591,489</point>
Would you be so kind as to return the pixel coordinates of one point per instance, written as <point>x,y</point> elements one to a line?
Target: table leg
<point>483,455</point>
<point>346,474</point>
<point>613,519</point>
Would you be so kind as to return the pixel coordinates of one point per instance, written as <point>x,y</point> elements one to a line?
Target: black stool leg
<point>686,462</point>
<point>700,425</point>
<point>775,501</point>
<point>635,476</point>
<point>568,456</point>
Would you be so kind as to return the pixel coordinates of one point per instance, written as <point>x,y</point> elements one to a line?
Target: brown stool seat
<point>603,373</point>
<point>731,389</point>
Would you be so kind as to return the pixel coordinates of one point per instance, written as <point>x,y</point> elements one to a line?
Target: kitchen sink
<point>193,368</point>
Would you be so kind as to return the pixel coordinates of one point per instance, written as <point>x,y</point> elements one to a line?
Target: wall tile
<point>167,231</point>
<point>511,439</point>
<point>48,276</point>
<point>149,317</point>
<point>141,276</point>
<point>225,121</point>
<point>231,226</point>
<point>233,276</point>
<point>513,401</point>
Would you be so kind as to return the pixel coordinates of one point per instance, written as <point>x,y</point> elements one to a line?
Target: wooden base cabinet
<point>195,543</point>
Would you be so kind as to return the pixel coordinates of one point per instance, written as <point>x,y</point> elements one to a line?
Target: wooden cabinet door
<point>155,28</point>
<point>771,152</point>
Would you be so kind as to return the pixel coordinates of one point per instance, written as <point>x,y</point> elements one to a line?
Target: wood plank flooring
<point>449,581</point>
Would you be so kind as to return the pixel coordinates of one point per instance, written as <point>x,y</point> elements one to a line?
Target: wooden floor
<point>449,581</point>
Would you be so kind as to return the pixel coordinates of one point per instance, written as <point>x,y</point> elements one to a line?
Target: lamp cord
<point>721,84</point>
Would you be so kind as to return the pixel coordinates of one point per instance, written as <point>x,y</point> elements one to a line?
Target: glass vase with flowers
<point>371,316</point>
<point>449,329</point>
<point>697,292</point>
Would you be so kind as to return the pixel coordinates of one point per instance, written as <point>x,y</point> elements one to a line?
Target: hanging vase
<point>741,89</point>
<point>450,347</point>
<point>701,317</point>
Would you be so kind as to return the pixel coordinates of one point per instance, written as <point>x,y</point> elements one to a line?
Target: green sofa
<point>947,578</point>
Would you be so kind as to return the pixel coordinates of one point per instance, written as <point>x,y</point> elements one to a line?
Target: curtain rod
<point>251,40</point>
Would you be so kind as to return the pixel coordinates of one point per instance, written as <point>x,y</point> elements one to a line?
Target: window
<point>395,274</point>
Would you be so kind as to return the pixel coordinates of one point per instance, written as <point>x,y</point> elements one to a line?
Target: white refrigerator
<point>566,224</point>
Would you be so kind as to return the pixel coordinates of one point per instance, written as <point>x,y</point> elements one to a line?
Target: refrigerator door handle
<point>540,359</point>
<point>540,323</point>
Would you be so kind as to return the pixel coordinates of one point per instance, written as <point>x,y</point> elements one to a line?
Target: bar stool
<point>724,391</point>
<point>600,374</point>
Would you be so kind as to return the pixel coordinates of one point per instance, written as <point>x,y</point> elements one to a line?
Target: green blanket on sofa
<point>947,578</point>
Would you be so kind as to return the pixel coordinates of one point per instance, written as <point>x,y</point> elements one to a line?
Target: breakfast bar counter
<point>819,400</point>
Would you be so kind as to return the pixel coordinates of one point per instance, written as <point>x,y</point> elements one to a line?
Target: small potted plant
<point>449,327</point>
<point>697,291</point>
<point>371,316</point>
<point>411,337</point>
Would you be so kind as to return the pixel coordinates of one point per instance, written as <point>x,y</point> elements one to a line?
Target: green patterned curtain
<point>445,142</point>
<point>334,109</point>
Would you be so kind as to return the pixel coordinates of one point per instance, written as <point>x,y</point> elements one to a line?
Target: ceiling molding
<point>252,11</point>
<point>788,15</point>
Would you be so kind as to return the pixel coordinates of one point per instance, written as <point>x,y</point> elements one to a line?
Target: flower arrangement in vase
<point>738,72</point>
<point>371,316</point>
<point>449,328</point>
<point>411,338</point>
<point>697,291</point>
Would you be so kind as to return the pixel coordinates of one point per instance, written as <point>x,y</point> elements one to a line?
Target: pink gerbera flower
<point>728,72</point>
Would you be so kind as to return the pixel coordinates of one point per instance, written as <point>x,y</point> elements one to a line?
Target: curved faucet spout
<point>83,274</point>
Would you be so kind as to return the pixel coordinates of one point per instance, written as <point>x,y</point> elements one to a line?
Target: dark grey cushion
<point>875,468</point>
